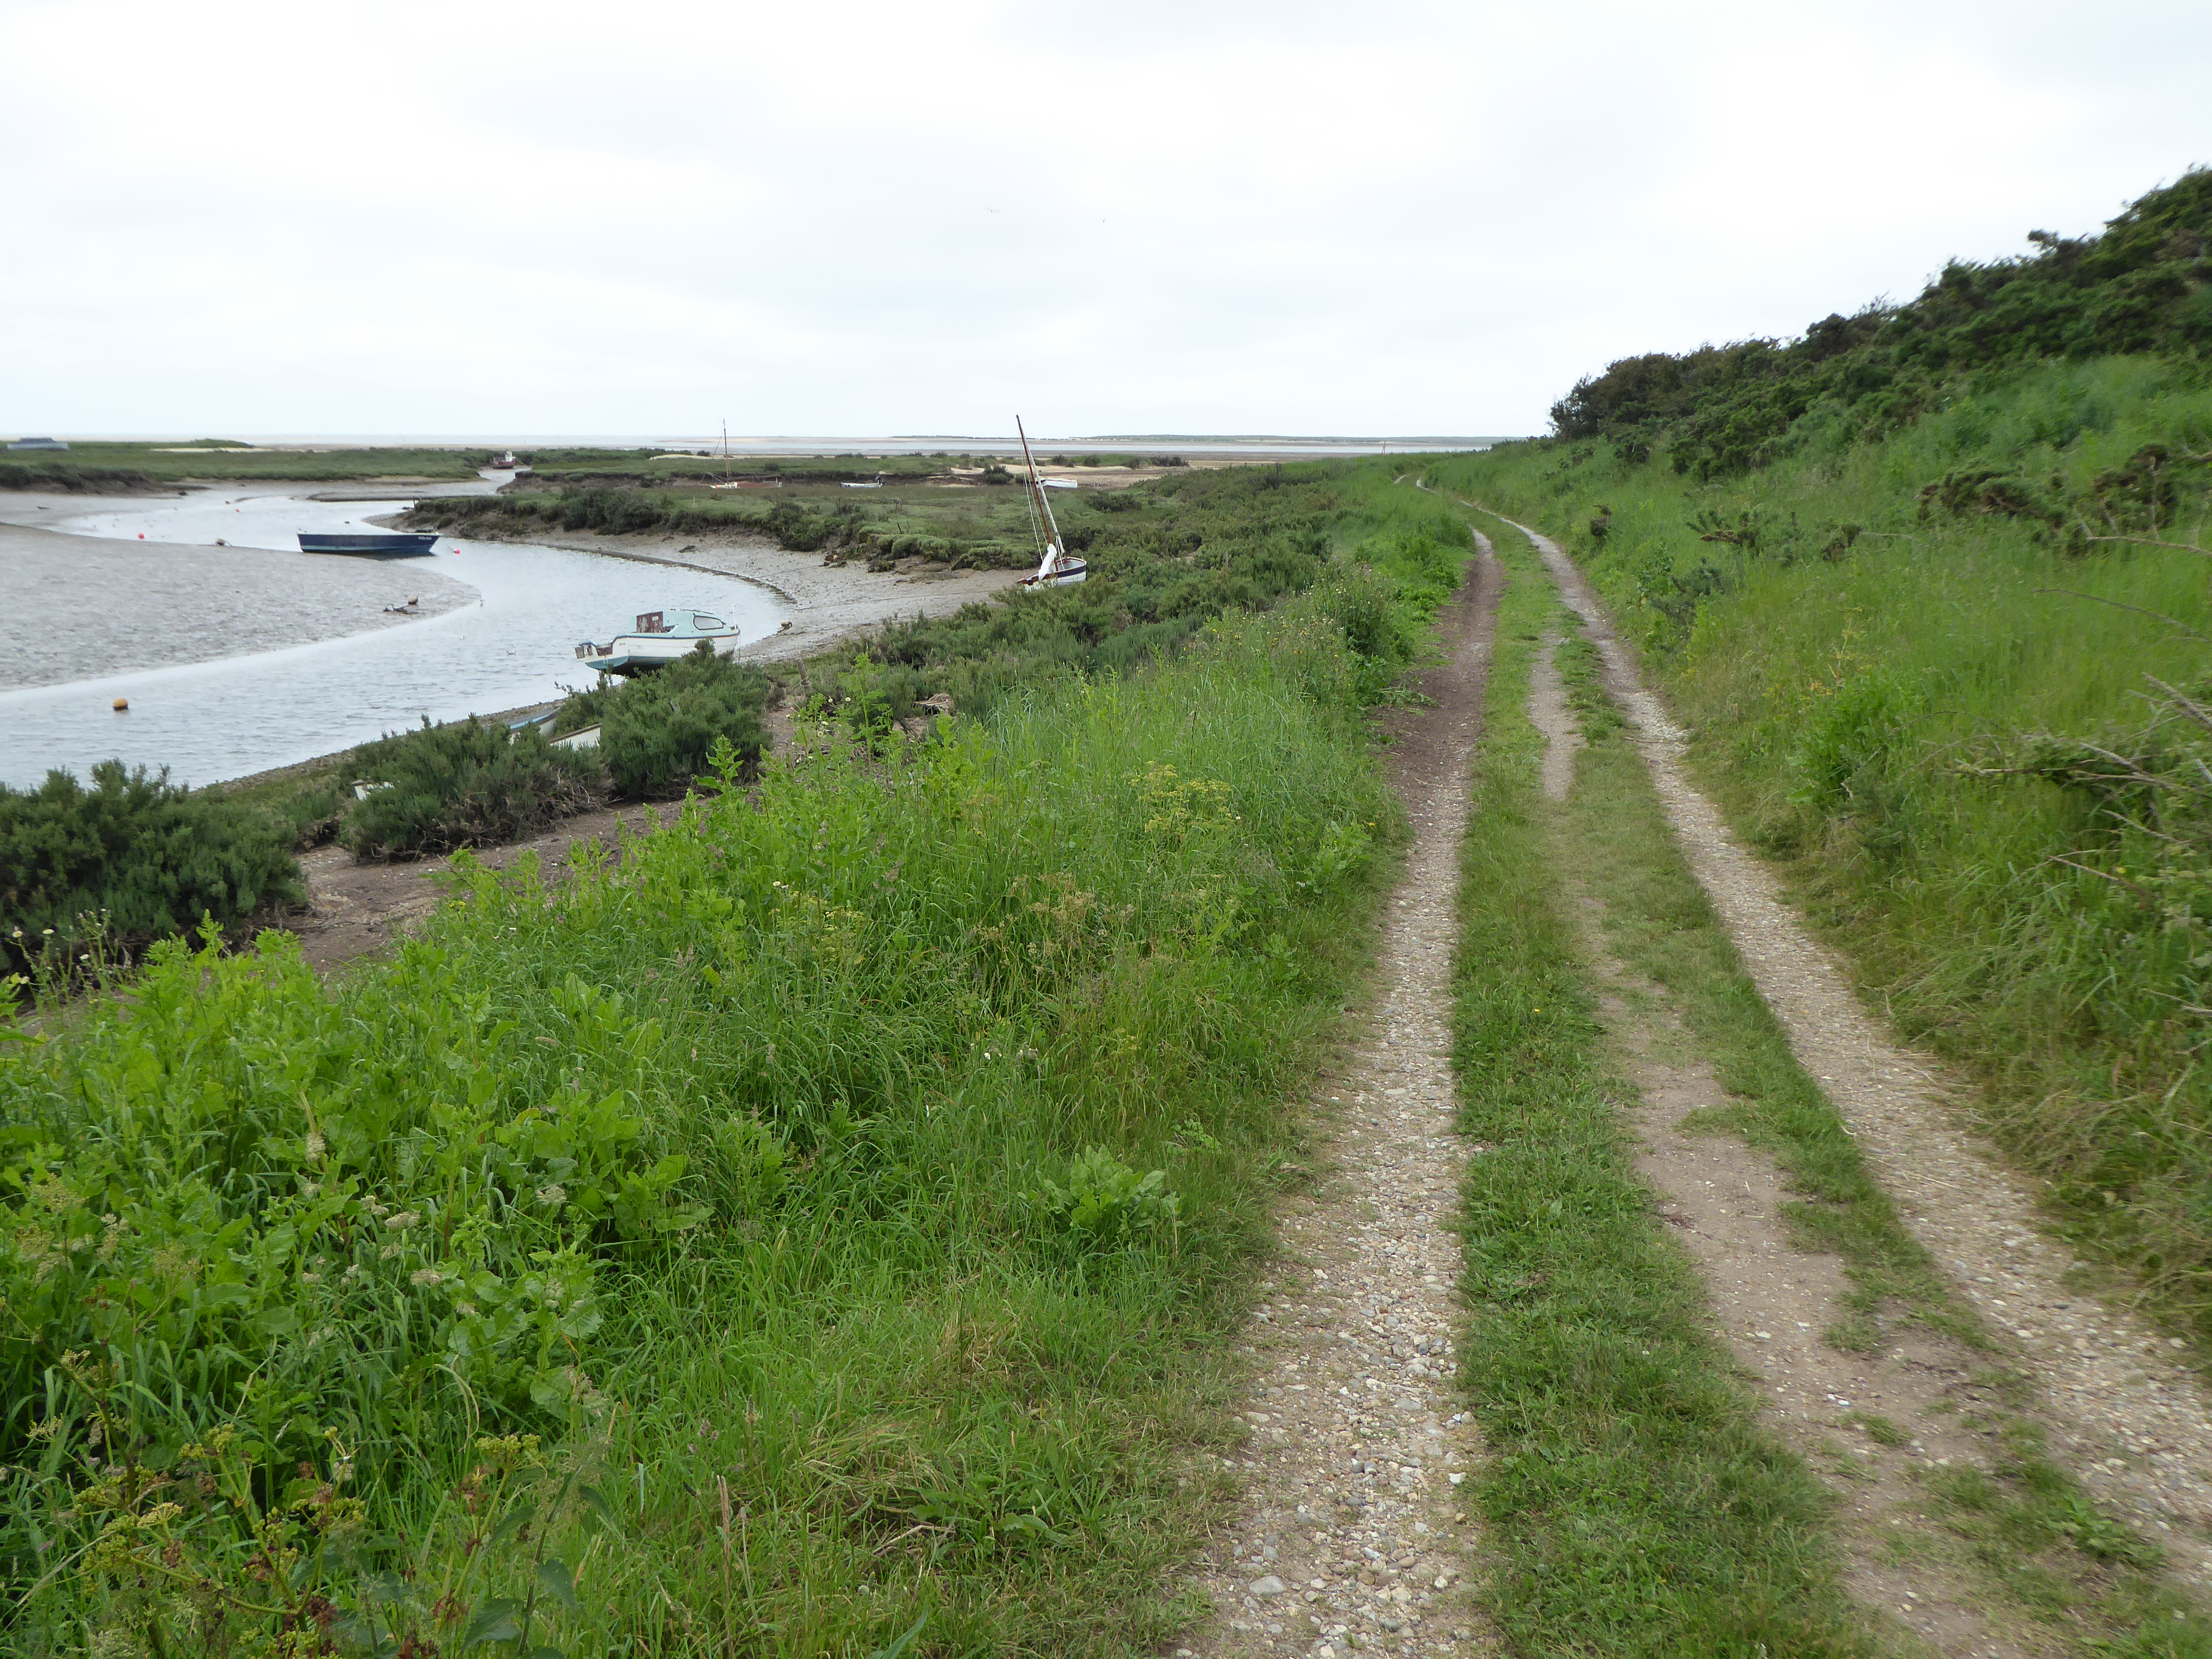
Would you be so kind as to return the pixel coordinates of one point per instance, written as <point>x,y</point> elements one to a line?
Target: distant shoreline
<point>1292,446</point>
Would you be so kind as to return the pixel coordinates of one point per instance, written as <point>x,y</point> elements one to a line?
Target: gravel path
<point>1352,1536</point>
<point>2134,1425</point>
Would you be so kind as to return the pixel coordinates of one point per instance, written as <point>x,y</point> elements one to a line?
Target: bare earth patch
<point>1352,1534</point>
<point>353,909</point>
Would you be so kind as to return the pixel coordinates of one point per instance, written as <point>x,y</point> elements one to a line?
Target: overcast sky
<point>1199,217</point>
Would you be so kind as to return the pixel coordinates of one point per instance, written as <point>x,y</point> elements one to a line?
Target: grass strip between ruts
<point>1634,1505</point>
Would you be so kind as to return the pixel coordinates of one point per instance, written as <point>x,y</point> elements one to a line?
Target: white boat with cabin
<point>658,639</point>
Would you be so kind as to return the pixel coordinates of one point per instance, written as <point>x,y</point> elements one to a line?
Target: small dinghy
<point>1056,566</point>
<point>658,639</point>
<point>375,544</point>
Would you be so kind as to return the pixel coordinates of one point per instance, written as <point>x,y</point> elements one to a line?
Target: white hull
<point>1070,573</point>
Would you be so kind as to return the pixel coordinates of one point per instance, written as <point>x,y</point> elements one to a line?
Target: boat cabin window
<point>700,619</point>
<point>649,621</point>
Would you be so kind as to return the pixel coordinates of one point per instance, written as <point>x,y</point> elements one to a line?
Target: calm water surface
<point>245,714</point>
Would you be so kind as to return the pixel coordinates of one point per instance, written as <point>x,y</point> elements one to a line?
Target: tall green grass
<point>746,1245</point>
<point>1861,662</point>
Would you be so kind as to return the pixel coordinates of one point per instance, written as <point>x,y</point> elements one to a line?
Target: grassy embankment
<point>1918,613</point>
<point>93,467</point>
<point>752,1246</point>
<point>1635,1495</point>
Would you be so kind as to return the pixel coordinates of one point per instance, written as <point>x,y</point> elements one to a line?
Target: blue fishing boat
<point>375,544</point>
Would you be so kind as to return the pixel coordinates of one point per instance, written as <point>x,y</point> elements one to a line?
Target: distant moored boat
<point>375,544</point>
<point>1056,566</point>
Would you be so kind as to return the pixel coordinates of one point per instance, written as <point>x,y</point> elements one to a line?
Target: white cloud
<point>868,217</point>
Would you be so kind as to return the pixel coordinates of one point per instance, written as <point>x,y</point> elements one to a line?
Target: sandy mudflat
<point>80,606</point>
<point>828,602</point>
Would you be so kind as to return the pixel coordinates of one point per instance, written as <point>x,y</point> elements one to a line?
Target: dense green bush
<point>1167,559</point>
<point>661,730</point>
<point>468,784</point>
<point>131,860</point>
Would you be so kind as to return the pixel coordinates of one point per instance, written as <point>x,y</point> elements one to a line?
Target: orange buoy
<point>123,705</point>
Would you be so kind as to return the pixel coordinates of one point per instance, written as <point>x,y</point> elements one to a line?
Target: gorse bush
<point>680,1213</point>
<point>128,860</point>
<point>471,783</point>
<point>662,729</point>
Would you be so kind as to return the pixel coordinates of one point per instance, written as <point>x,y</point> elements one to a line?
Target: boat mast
<point>725,452</point>
<point>1050,533</point>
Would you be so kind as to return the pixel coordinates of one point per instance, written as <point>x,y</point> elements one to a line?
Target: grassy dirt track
<point>1971,1503</point>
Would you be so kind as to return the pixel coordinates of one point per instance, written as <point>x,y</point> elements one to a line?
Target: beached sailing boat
<point>1058,568</point>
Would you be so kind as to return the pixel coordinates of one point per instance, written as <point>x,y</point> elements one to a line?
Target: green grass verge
<point>1634,1503</point>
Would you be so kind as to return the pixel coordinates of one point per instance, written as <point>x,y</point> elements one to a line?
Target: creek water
<point>513,644</point>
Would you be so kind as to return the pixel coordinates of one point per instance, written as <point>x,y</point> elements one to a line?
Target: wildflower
<point>553,1197</point>
<point>426,1276</point>
<point>404,1220</point>
<point>316,1145</point>
<point>389,1251</point>
<point>310,1278</point>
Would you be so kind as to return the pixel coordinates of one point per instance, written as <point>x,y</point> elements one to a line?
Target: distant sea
<point>1287,446</point>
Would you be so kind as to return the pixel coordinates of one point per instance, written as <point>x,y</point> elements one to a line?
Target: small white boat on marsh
<point>1056,566</point>
<point>658,639</point>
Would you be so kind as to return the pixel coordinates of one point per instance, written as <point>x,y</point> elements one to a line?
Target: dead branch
<point>2136,887</point>
<point>2195,711</point>
<point>2116,605</point>
<point>2146,541</point>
